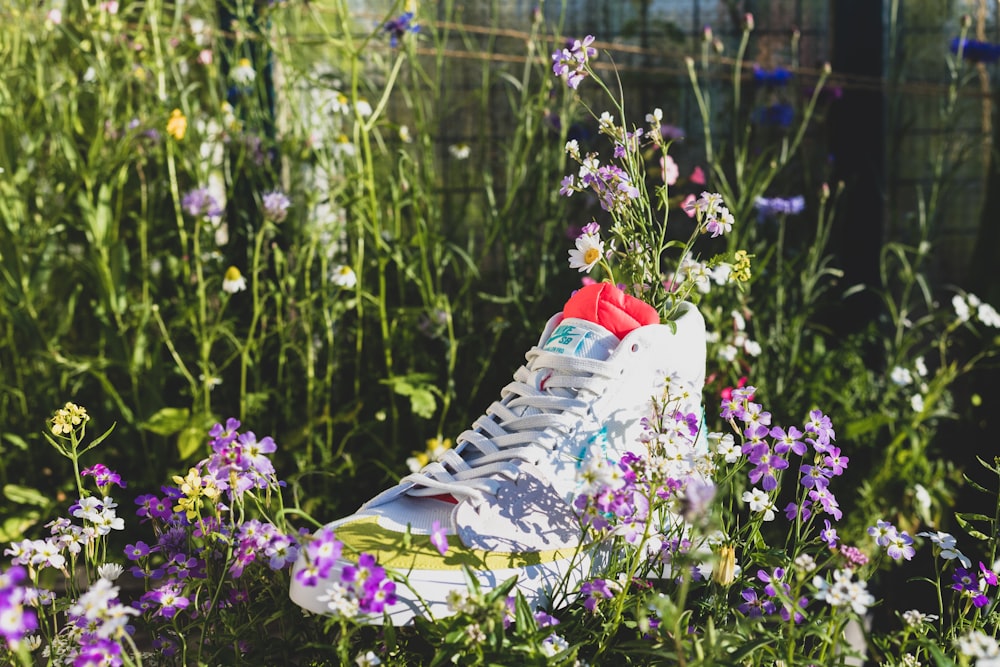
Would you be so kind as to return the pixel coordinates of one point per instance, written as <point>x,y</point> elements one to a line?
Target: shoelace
<point>517,430</point>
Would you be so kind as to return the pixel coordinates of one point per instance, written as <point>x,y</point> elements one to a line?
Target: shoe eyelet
<point>635,347</point>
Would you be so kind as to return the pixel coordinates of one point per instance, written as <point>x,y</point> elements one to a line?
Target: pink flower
<point>205,57</point>
<point>688,205</point>
<point>669,169</point>
<point>697,176</point>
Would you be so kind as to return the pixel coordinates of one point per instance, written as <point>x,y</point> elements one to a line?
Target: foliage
<point>257,222</point>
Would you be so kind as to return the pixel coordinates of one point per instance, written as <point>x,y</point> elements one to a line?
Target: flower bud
<point>706,34</point>
<point>718,46</point>
<point>965,21</point>
<point>724,571</point>
<point>824,192</point>
<point>748,21</point>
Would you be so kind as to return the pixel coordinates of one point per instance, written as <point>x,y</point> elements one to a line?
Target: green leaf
<point>14,527</point>
<point>167,421</point>
<point>23,495</point>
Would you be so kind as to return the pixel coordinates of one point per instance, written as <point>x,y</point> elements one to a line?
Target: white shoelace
<point>517,430</point>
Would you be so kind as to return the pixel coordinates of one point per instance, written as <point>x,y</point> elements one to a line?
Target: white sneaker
<point>505,493</point>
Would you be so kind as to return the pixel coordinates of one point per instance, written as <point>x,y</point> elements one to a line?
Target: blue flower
<point>399,26</point>
<point>772,207</point>
<point>779,76</point>
<point>974,51</point>
<point>778,115</point>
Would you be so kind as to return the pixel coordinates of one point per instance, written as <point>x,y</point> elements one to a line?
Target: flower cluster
<point>16,619</point>
<point>898,544</point>
<point>768,449</point>
<point>360,588</point>
<point>713,217</point>
<point>964,306</point>
<point>570,63</point>
<point>201,203</point>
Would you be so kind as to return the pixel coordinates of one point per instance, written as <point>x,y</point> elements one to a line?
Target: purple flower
<point>773,207</point>
<point>102,475</point>
<point>16,619</point>
<point>169,599</point>
<point>785,441</point>
<point>900,546</point>
<point>275,206</point>
<point>754,606</point>
<point>829,534</point>
<point>595,591</point>
<point>98,652</point>
<point>836,462</point>
<point>570,63</point>
<point>820,426</point>
<point>814,476</point>
<point>200,203</point>
<point>324,551</point>
<point>398,27</point>
<point>438,538</point>
<point>136,551</point>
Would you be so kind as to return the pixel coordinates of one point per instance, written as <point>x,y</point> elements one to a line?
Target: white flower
<point>961,308</point>
<point>914,617</point>
<point>728,449</point>
<point>988,315</point>
<point>344,276</point>
<point>655,118</point>
<point>460,151</point>
<point>243,74</point>
<point>759,502</point>
<point>843,591</point>
<point>368,659</point>
<point>805,563</point>
<point>920,366</point>
<point>606,122</point>
<point>233,281</point>
<point>917,403</point>
<point>901,376</point>
<point>947,543</point>
<point>340,600</point>
<point>588,252</point>
<point>91,604</point>
<point>553,644</point>
<point>977,644</point>
<point>404,134</point>
<point>363,108</point>
<point>720,273</point>
<point>588,166</point>
<point>728,352</point>
<point>752,348</point>
<point>343,146</point>
<point>573,149</point>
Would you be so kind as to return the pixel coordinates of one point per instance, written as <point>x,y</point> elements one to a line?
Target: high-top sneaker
<point>504,495</point>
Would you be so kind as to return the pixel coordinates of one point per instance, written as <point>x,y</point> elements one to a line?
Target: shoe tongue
<point>580,338</point>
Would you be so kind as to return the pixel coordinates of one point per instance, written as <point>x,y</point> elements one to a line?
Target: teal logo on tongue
<point>567,339</point>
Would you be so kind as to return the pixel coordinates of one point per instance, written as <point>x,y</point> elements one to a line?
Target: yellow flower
<point>194,487</point>
<point>177,125</point>
<point>68,417</point>
<point>741,266</point>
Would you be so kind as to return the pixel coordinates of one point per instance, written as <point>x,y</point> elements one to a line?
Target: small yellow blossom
<point>68,417</point>
<point>724,571</point>
<point>177,125</point>
<point>741,266</point>
<point>194,487</point>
